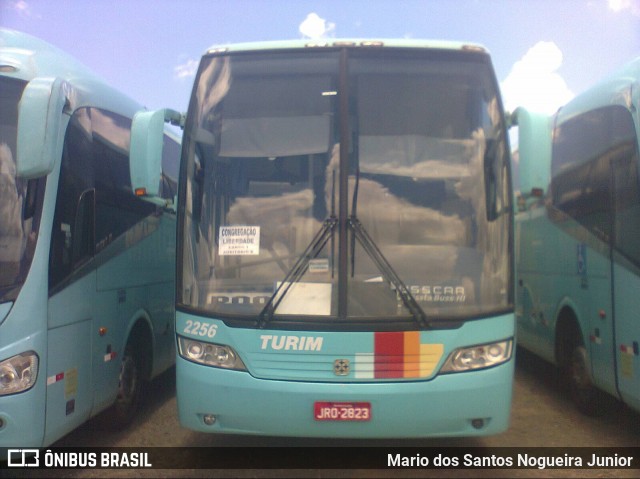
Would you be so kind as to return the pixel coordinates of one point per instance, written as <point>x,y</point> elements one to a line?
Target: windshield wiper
<point>360,234</point>
<point>318,243</point>
<point>299,268</point>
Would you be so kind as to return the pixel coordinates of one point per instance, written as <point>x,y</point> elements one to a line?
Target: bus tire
<point>584,394</point>
<point>130,387</point>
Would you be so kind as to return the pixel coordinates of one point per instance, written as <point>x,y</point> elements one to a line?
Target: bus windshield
<point>18,198</point>
<point>346,185</point>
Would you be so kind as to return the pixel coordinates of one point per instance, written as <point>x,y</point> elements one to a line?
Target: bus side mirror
<point>145,154</point>
<point>534,152</point>
<point>39,124</point>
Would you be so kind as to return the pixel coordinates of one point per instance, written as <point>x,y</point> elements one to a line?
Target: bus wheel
<point>583,393</point>
<point>130,388</point>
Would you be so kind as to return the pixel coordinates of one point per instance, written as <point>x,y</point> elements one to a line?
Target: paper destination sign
<point>239,240</point>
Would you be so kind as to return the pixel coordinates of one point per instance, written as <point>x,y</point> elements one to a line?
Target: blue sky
<point>544,51</point>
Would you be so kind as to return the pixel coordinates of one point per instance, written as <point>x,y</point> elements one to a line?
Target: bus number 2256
<point>201,328</point>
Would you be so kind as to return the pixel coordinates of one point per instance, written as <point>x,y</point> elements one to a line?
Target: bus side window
<point>626,189</point>
<point>580,169</point>
<point>586,149</point>
<point>69,234</point>
<point>117,209</point>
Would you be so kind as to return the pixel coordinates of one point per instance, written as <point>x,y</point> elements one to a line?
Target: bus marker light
<point>346,43</point>
<point>209,419</point>
<point>473,48</point>
<point>110,356</point>
<point>627,349</point>
<point>55,378</point>
<point>316,44</point>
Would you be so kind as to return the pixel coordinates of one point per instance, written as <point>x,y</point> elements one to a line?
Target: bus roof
<point>616,88</point>
<point>25,57</point>
<point>350,42</point>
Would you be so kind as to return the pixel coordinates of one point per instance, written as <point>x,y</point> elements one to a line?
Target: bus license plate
<point>341,411</point>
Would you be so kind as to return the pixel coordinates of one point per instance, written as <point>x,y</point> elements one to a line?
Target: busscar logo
<point>23,458</point>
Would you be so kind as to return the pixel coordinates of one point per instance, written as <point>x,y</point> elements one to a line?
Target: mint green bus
<point>578,240</point>
<point>86,268</point>
<point>344,262</point>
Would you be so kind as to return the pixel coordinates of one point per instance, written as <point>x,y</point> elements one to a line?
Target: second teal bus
<point>578,240</point>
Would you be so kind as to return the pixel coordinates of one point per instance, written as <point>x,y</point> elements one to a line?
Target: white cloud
<point>315,27</point>
<point>186,70</point>
<point>534,82</point>
<point>633,6</point>
<point>22,8</point>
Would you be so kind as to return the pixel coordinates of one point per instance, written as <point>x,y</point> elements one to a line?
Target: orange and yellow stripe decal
<point>398,355</point>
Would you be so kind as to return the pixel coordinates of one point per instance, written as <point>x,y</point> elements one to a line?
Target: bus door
<point>626,274</point>
<point>72,285</point>
<point>69,397</point>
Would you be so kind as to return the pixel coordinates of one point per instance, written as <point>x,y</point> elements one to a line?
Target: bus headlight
<point>478,357</point>
<point>18,373</point>
<point>209,354</point>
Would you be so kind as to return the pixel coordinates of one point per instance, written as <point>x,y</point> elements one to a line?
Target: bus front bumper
<point>462,404</point>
